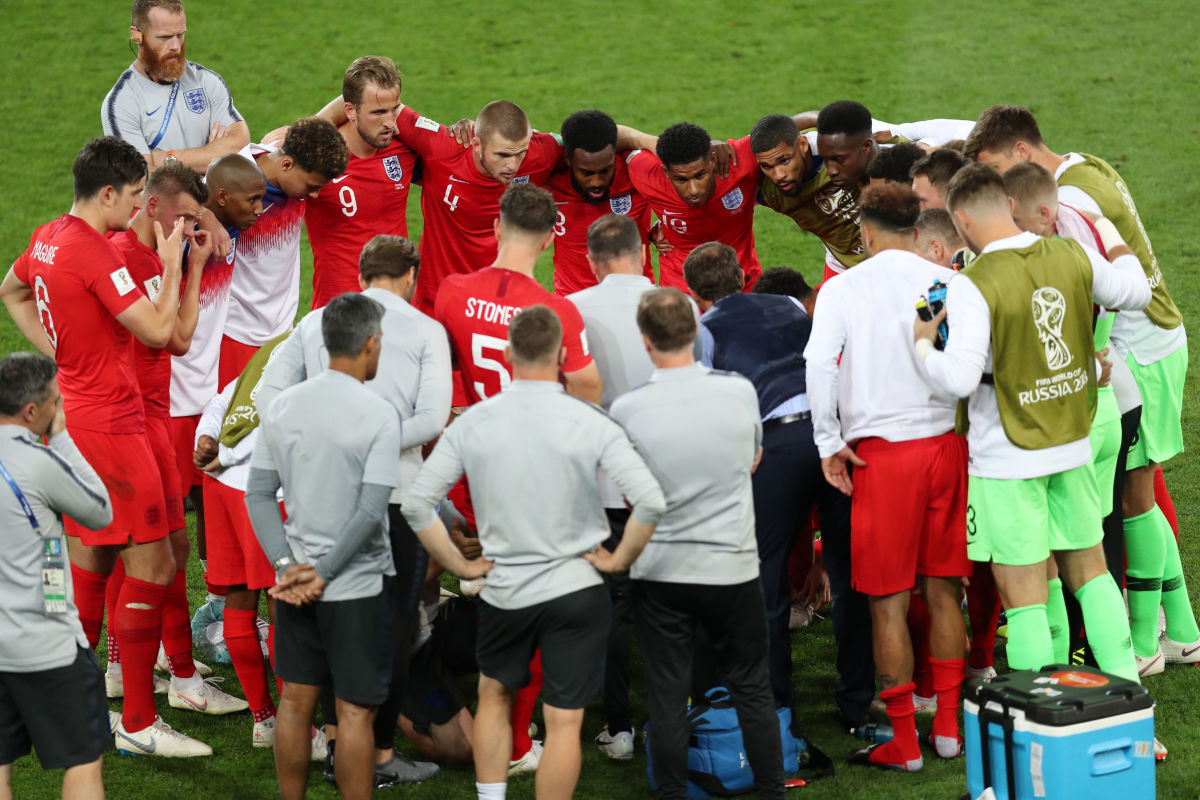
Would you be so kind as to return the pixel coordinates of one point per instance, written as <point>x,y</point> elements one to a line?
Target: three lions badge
<point>622,204</point>
<point>195,100</point>
<point>391,165</point>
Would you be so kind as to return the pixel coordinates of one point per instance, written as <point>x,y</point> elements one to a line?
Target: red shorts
<point>901,527</point>
<point>234,358</point>
<point>183,437</point>
<point>159,435</point>
<point>235,558</point>
<point>127,466</point>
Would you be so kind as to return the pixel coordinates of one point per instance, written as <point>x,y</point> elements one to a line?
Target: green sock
<point>1181,622</point>
<point>1107,633</point>
<point>1029,645</point>
<point>1145,557</point>
<point>1056,617</point>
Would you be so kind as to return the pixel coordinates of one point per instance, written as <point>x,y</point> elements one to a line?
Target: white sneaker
<point>113,718</point>
<point>320,745</point>
<point>528,762</point>
<point>924,705</point>
<point>163,665</point>
<point>617,746</point>
<point>205,698</point>
<point>264,733</point>
<point>800,617</point>
<point>1151,665</point>
<point>160,739</point>
<point>1178,653</point>
<point>114,685</point>
<point>473,587</point>
<point>982,673</point>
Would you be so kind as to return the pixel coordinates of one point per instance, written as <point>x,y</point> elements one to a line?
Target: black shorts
<point>345,642</point>
<point>61,712</point>
<point>572,633</point>
<point>431,695</point>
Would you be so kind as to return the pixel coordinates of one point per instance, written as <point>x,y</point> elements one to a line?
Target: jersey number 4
<point>481,343</point>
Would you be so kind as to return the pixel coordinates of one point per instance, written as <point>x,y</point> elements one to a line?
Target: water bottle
<point>875,732</point>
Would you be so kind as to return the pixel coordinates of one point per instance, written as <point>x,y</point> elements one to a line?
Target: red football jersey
<point>369,198</point>
<point>153,364</point>
<point>727,217</point>
<point>81,284</point>
<point>572,273</point>
<point>476,308</point>
<point>459,204</point>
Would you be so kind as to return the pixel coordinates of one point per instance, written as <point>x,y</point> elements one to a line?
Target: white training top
<point>865,316</point>
<point>236,459</point>
<point>135,108</point>
<point>957,370</point>
<point>194,374</point>
<point>1133,332</point>
<point>266,284</point>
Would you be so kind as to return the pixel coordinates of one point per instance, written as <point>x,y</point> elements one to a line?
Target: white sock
<point>490,791</point>
<point>114,669</point>
<point>187,684</point>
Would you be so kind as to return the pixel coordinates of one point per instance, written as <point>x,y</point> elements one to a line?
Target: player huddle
<point>426,416</point>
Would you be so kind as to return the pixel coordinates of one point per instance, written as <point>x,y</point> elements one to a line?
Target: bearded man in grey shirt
<point>531,454</point>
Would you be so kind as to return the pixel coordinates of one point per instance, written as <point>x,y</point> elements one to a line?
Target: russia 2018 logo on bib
<point>622,204</point>
<point>733,200</point>
<point>391,165</point>
<point>195,100</point>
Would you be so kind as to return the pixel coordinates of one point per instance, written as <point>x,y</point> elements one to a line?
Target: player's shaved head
<point>998,130</point>
<point>503,119</point>
<point>712,271</point>
<point>1031,184</point>
<point>667,319</point>
<point>773,130</point>
<point>893,164</point>
<point>890,207</point>
<point>535,337</point>
<point>527,209</point>
<point>845,117</point>
<point>174,178</point>
<point>977,190</point>
<point>591,131</point>
<point>234,173</point>
<point>378,70</point>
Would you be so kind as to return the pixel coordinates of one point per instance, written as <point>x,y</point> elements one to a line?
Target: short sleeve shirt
<point>80,282</point>
<point>137,108</point>
<point>153,363</point>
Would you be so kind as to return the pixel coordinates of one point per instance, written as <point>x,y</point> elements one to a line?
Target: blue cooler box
<point>1061,732</point>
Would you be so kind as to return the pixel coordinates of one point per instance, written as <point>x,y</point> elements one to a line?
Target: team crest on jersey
<point>152,287</point>
<point>232,248</point>
<point>391,165</point>
<point>620,205</point>
<point>732,200</point>
<point>195,100</point>
<point>520,179</point>
<point>123,281</point>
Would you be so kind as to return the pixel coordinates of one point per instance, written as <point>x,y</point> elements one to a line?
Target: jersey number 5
<point>481,342</point>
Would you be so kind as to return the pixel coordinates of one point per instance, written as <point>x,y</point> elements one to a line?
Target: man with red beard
<point>167,106</point>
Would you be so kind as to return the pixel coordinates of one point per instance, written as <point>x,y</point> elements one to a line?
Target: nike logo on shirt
<point>339,178</point>
<point>152,113</point>
<point>458,180</point>
<point>148,746</point>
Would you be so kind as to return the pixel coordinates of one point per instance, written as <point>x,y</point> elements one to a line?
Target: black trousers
<point>788,484</point>
<point>616,662</point>
<point>667,616</point>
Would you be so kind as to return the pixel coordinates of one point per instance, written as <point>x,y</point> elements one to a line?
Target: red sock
<point>89,599</point>
<point>241,637</point>
<point>139,623</point>
<point>111,590</point>
<point>177,628</point>
<point>1162,499</point>
<point>918,631</point>
<point>947,682</point>
<point>271,656</point>
<point>522,711</point>
<point>903,749</point>
<point>983,609</point>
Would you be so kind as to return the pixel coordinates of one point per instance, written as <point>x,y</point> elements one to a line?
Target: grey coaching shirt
<point>55,480</point>
<point>136,106</point>
<point>531,455</point>
<point>325,438</point>
<point>414,373</point>
<point>699,430</point>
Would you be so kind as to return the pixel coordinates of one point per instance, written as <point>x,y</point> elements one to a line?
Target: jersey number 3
<point>480,343</point>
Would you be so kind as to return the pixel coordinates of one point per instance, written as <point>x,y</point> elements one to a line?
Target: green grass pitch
<point>1118,80</point>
